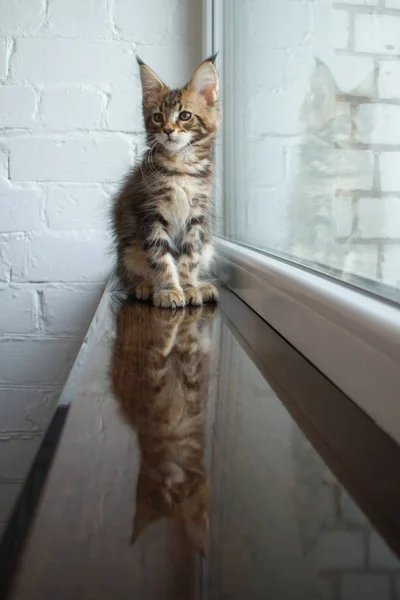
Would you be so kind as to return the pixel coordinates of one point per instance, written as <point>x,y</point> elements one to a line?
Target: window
<point>309,182</point>
<point>312,130</point>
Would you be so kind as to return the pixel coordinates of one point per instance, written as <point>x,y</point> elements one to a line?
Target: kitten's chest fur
<point>184,203</point>
<point>188,199</point>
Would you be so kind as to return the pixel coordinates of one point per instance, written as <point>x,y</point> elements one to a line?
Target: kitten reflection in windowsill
<point>159,376</point>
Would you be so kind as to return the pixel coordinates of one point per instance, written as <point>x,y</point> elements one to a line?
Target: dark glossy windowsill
<point>283,447</point>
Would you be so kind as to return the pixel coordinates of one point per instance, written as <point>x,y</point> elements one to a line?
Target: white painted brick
<point>124,111</point>
<point>75,207</point>
<point>17,254</point>
<point>69,311</point>
<point>266,232</point>
<point>339,550</point>
<point>18,312</point>
<point>340,29</point>
<point>343,215</point>
<point>360,2</point>
<point>380,555</point>
<point>359,176</point>
<point>44,361</point>
<point>20,208</point>
<point>391,266</point>
<point>3,162</point>
<point>393,4</point>
<point>3,58</point>
<point>175,21</point>
<point>389,80</point>
<point>283,25</point>
<point>365,586</point>
<point>353,74</point>
<point>4,266</point>
<point>362,261</point>
<point>267,71</point>
<point>379,217</point>
<point>100,158</point>
<point>270,113</point>
<point>17,460</point>
<point>21,17</point>
<point>75,18</point>
<point>260,162</point>
<point>377,33</point>
<point>69,259</point>
<point>17,106</point>
<point>350,512</point>
<point>26,410</point>
<point>73,61</point>
<point>390,171</point>
<point>71,108</point>
<point>174,64</point>
<point>379,124</point>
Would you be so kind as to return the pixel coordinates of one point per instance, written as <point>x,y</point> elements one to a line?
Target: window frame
<point>351,336</point>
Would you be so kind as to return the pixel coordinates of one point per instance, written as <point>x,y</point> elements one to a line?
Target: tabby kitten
<point>162,215</point>
<point>328,172</point>
<point>159,375</point>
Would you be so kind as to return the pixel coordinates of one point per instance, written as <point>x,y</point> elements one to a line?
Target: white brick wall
<point>72,108</point>
<point>389,80</point>
<point>378,34</point>
<point>70,125</point>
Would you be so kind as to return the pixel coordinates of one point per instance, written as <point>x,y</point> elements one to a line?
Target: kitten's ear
<point>151,84</point>
<point>205,81</point>
<point>320,100</point>
<point>144,517</point>
<point>322,81</point>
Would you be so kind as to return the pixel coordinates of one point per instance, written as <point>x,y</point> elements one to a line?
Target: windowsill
<point>354,339</point>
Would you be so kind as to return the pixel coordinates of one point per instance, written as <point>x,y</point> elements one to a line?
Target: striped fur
<point>162,216</point>
<point>159,375</point>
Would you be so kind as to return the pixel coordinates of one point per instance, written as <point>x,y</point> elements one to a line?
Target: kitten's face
<point>176,118</point>
<point>327,115</point>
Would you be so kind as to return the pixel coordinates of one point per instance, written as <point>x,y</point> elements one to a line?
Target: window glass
<point>312,134</point>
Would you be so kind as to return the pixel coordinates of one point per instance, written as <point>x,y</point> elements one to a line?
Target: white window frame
<point>352,337</point>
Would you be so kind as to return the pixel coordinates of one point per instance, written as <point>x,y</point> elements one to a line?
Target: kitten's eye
<point>185,115</point>
<point>158,118</point>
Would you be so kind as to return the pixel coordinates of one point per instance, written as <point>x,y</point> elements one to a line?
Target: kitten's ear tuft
<point>212,58</point>
<point>151,84</point>
<point>205,81</point>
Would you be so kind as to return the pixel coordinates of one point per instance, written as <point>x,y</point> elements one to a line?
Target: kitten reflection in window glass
<point>159,376</point>
<point>162,216</point>
<point>332,166</point>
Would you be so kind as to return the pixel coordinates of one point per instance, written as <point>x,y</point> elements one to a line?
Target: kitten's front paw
<point>168,317</point>
<point>169,298</point>
<point>193,296</point>
<point>209,292</point>
<point>209,311</point>
<point>142,291</point>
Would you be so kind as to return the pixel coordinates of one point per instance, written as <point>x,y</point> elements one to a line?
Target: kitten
<point>328,172</point>
<point>159,376</point>
<point>162,215</point>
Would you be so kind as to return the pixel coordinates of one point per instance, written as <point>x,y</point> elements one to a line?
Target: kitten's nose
<point>168,131</point>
